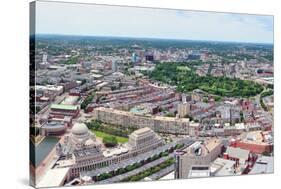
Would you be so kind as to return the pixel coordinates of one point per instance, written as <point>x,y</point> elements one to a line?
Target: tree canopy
<point>110,141</point>
<point>187,80</point>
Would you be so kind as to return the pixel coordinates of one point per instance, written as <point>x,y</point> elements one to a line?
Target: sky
<point>101,20</point>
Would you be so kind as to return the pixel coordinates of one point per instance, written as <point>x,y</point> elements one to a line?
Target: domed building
<point>80,134</point>
<point>82,152</point>
<point>79,138</point>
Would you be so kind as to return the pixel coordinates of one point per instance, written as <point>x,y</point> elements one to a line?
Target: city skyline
<point>69,19</point>
<point>148,94</point>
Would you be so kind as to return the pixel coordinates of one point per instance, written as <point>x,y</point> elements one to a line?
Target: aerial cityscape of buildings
<point>160,95</point>
<point>129,109</point>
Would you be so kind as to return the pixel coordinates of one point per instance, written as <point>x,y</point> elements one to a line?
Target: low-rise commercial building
<point>157,123</point>
<point>62,110</point>
<point>264,164</point>
<point>58,90</point>
<point>240,156</point>
<point>257,142</point>
<point>223,167</point>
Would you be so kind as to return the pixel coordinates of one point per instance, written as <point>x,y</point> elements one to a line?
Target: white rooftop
<point>222,167</point>
<point>237,153</point>
<point>263,165</point>
<point>53,178</point>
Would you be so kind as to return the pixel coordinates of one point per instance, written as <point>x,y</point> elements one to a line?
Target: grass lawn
<point>183,68</point>
<point>101,134</point>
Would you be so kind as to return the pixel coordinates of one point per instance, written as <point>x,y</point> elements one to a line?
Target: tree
<point>217,98</point>
<point>109,141</point>
<point>87,101</point>
<point>265,153</point>
<point>188,81</point>
<point>121,171</point>
<point>104,176</point>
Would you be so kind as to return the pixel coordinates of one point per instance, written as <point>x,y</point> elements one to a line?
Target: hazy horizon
<point>148,38</point>
<point>60,18</point>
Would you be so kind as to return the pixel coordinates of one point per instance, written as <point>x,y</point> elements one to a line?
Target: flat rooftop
<point>142,130</point>
<point>263,165</point>
<point>222,167</point>
<point>70,100</point>
<point>53,177</point>
<point>205,147</point>
<point>213,143</point>
<point>254,137</point>
<point>64,107</point>
<point>87,152</point>
<point>237,153</point>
